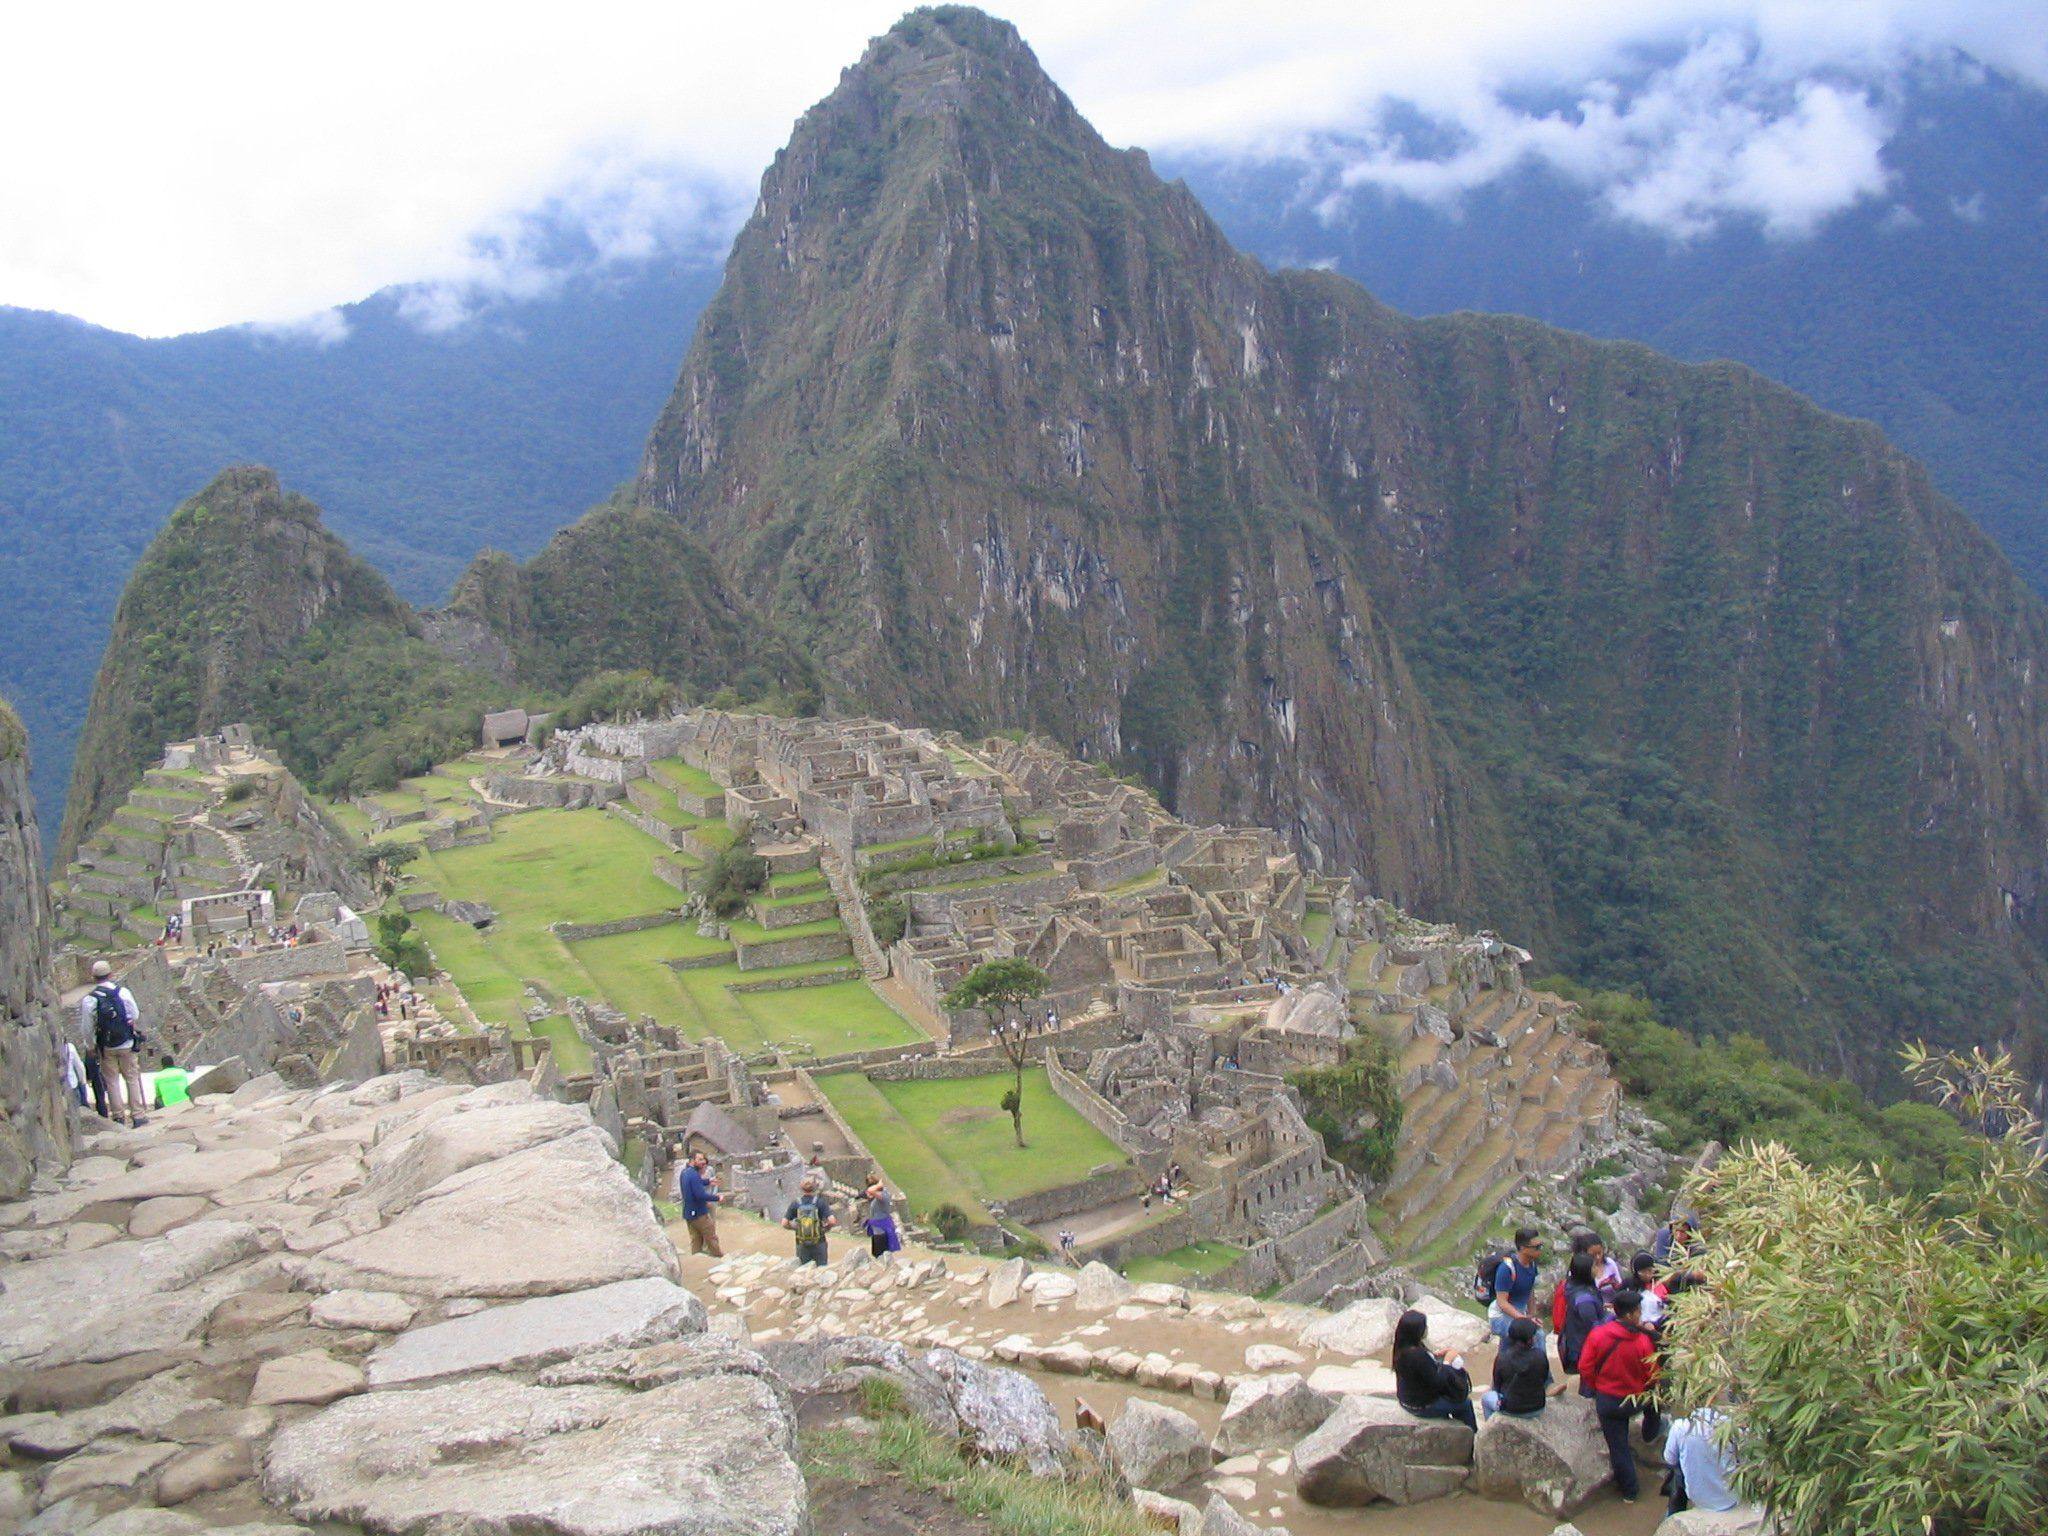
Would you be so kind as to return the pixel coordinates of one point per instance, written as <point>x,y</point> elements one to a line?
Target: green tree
<point>729,879</point>
<point>1355,1105</point>
<point>1001,987</point>
<point>1883,1355</point>
<point>399,946</point>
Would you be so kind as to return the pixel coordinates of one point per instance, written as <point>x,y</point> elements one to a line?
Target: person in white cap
<point>109,1020</point>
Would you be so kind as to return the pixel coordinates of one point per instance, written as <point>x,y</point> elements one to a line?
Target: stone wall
<point>1098,1189</point>
<point>958,874</point>
<point>796,913</point>
<point>550,793</point>
<point>798,951</point>
<point>931,906</point>
<point>326,957</point>
<point>35,1123</point>
<point>1095,1109</point>
<point>575,933</point>
<point>1126,863</point>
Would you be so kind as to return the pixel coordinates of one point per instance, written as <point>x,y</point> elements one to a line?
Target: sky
<point>166,169</point>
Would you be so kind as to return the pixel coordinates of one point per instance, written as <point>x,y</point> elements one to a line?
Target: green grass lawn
<point>1315,927</point>
<point>829,1020</point>
<point>678,774</point>
<point>1184,1266</point>
<point>544,867</point>
<point>958,1127</point>
<point>798,880</point>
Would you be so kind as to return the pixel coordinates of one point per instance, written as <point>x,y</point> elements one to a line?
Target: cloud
<point>172,168</point>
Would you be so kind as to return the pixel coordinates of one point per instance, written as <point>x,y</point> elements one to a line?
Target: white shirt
<point>1706,1467</point>
<point>86,1011</point>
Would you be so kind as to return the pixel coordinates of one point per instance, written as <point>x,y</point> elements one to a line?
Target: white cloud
<point>170,168</point>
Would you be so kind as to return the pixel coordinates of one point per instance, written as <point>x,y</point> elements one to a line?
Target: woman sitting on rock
<point>1430,1384</point>
<point>1521,1374</point>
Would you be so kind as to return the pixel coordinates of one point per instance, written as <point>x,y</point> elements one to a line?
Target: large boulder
<point>489,1456</point>
<point>561,1216</point>
<point>437,1147</point>
<point>1451,1326</point>
<point>1372,1448</point>
<point>1154,1446</point>
<point>1002,1414</point>
<point>1268,1411</point>
<point>1098,1287</point>
<point>1742,1520</point>
<point>1364,1328</point>
<point>836,1369</point>
<point>524,1334</point>
<point>1553,1461</point>
<point>1006,1282</point>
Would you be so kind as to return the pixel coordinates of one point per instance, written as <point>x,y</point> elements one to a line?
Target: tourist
<point>1067,1241</point>
<point>810,1217</point>
<point>1675,1239</point>
<point>109,1020</point>
<point>1521,1373</point>
<point>883,1238</point>
<point>699,1187</point>
<point>1514,1285</point>
<point>1643,1277</point>
<point>1584,1310</point>
<point>76,1079</point>
<point>1617,1369</point>
<point>1702,1471</point>
<point>1052,1022</point>
<point>170,1083</point>
<point>1430,1384</point>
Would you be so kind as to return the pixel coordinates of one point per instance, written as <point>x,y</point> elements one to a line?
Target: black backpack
<point>1483,1277</point>
<point>111,1030</point>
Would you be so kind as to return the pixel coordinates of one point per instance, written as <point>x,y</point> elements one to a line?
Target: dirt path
<point>1260,1488</point>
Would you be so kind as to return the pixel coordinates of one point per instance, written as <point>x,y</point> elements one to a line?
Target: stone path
<point>1098,1339</point>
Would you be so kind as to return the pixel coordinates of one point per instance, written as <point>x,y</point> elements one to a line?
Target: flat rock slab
<point>1365,1328</point>
<point>493,1457</point>
<point>1267,1411</point>
<point>203,1173</point>
<point>526,1334</point>
<point>153,1218</point>
<point>119,1298</point>
<point>563,1216</point>
<point>311,1376</point>
<point>373,1311</point>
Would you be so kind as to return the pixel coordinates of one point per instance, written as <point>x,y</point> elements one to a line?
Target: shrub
<point>238,791</point>
<point>889,918</point>
<point>1881,1354</point>
<point>399,947</point>
<point>1355,1105</point>
<point>620,696</point>
<point>729,879</point>
<point>950,1221</point>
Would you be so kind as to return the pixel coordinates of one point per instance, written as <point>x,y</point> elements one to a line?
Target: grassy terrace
<point>1185,1266</point>
<point>677,774</point>
<point>949,1141</point>
<point>1315,927</point>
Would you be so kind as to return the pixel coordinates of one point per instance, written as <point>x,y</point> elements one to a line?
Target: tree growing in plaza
<point>1002,988</point>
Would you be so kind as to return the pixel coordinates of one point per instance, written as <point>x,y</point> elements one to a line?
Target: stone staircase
<point>1513,1094</point>
<point>853,913</point>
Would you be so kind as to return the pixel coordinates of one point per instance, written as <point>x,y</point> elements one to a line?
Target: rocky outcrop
<point>1553,1461</point>
<point>34,1119</point>
<point>1269,1411</point>
<point>406,1306</point>
<point>1372,1448</point>
<point>1153,1446</point>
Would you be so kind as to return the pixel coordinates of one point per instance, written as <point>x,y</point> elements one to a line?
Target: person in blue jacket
<point>700,1194</point>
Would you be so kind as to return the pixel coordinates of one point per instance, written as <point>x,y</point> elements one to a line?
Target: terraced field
<point>948,1140</point>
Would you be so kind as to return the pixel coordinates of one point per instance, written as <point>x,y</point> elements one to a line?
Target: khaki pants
<point>123,1075</point>
<point>704,1235</point>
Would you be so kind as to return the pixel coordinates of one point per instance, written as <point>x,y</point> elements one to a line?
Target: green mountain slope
<point>246,608</point>
<point>1696,686</point>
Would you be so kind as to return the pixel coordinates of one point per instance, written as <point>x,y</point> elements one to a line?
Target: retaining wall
<point>575,933</point>
<point>769,953</point>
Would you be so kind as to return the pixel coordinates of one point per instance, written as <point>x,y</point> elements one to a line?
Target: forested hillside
<point>423,448</point>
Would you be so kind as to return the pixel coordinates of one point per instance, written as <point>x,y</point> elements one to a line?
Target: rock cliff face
<point>1686,682</point>
<point>34,1121</point>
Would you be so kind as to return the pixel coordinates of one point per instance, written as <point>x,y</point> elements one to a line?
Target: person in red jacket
<point>1618,1370</point>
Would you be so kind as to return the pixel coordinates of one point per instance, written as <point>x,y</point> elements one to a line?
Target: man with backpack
<point>108,1018</point>
<point>1509,1287</point>
<point>810,1217</point>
